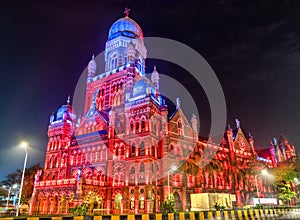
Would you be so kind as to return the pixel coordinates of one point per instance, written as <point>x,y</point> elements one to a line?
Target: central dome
<point>125,27</point>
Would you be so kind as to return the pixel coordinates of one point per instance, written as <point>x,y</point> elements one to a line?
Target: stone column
<point>148,205</point>
<point>136,206</point>
<point>58,211</point>
<point>67,205</point>
<point>45,205</point>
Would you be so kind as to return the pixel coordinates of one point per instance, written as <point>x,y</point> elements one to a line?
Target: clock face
<point>241,144</point>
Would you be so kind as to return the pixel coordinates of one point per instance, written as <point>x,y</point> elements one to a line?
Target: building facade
<point>128,152</point>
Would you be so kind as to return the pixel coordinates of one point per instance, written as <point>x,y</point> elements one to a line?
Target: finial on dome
<point>68,100</point>
<point>126,11</point>
<point>154,68</point>
<point>93,57</point>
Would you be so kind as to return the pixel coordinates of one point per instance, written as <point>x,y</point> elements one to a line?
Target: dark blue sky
<point>253,48</point>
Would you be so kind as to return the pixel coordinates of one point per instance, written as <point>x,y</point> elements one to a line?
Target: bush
<point>80,210</point>
<point>169,205</point>
<point>258,206</point>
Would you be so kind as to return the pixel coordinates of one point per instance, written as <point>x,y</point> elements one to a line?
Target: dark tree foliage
<point>15,178</point>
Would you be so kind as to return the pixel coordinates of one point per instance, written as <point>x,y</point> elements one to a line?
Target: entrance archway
<point>117,201</point>
<point>178,202</point>
<point>93,201</point>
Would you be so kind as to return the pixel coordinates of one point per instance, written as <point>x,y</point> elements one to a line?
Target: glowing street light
<point>172,170</point>
<point>263,172</point>
<point>23,145</point>
<point>8,195</point>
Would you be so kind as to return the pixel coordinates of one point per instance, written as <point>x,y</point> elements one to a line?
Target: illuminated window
<point>142,202</point>
<point>113,62</point>
<point>117,201</point>
<point>132,203</point>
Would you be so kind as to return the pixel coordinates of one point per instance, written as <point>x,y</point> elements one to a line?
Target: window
<point>133,150</point>
<point>132,203</point>
<point>142,167</point>
<point>142,202</point>
<point>143,125</point>
<point>117,201</point>
<point>125,58</point>
<point>142,149</point>
<point>132,170</point>
<point>114,60</point>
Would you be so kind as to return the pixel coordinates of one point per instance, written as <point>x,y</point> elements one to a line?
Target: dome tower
<point>125,45</point>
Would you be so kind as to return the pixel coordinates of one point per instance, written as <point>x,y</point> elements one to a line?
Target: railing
<point>55,182</point>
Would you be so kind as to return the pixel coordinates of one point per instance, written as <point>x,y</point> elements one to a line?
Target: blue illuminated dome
<point>125,27</point>
<point>66,109</point>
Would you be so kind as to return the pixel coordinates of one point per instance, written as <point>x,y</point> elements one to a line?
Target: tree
<point>285,193</point>
<point>15,177</point>
<point>285,175</point>
<point>3,191</point>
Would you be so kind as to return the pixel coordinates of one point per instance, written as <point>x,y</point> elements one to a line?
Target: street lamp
<point>8,195</point>
<point>172,170</point>
<point>23,145</point>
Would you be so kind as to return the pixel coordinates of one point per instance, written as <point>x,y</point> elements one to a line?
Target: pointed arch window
<point>132,203</point>
<point>142,149</point>
<point>133,150</point>
<point>113,62</point>
<point>142,167</point>
<point>132,170</point>
<point>143,125</point>
<point>179,125</point>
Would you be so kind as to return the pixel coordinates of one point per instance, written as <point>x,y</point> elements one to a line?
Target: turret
<point>92,67</point>
<point>155,78</point>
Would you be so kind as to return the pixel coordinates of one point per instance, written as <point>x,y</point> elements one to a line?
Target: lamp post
<point>172,170</point>
<point>263,172</point>
<point>8,195</point>
<point>257,189</point>
<point>24,145</point>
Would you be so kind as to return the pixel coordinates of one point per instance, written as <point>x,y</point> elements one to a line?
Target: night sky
<point>254,49</point>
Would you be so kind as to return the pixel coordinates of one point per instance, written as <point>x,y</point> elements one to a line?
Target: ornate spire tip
<point>126,11</point>
<point>68,100</point>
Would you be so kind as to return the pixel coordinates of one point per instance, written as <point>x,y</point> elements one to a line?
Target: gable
<point>240,142</point>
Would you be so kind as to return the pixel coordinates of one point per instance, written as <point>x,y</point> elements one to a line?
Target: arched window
<point>131,126</point>
<point>143,125</point>
<point>113,62</point>
<point>133,150</point>
<point>132,170</point>
<point>125,58</point>
<point>132,203</point>
<point>179,125</point>
<point>142,202</point>
<point>142,149</point>
<point>142,167</point>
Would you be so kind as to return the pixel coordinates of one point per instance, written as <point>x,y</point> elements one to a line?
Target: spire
<point>68,100</point>
<point>154,68</point>
<point>92,66</point>
<point>250,135</point>
<point>237,123</point>
<point>177,102</point>
<point>126,12</point>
